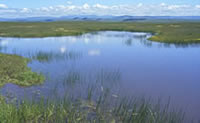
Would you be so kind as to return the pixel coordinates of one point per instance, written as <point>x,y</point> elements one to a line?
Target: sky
<point>33,8</point>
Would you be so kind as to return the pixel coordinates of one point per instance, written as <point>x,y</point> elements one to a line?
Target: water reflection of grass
<point>72,78</point>
<point>106,76</point>
<point>101,78</point>
<point>50,56</point>
<point>13,69</point>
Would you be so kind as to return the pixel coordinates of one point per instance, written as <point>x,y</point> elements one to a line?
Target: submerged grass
<point>169,32</point>
<point>50,56</point>
<point>13,69</point>
<point>101,110</point>
<point>97,104</point>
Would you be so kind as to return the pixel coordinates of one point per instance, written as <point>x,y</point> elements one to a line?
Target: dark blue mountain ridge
<point>101,18</point>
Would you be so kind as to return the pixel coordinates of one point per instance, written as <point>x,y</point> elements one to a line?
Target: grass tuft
<point>13,69</point>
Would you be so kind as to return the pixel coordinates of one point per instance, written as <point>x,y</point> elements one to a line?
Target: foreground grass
<point>174,32</point>
<point>102,110</point>
<point>97,104</point>
<point>13,69</point>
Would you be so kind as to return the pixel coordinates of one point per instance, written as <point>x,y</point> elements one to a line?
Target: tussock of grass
<point>13,69</point>
<point>169,32</point>
<point>103,110</point>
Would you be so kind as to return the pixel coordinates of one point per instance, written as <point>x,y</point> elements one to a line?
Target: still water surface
<point>126,62</point>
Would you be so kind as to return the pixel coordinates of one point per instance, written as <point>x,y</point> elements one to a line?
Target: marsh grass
<point>13,69</point>
<point>50,56</point>
<point>102,109</point>
<point>96,105</point>
<point>169,32</point>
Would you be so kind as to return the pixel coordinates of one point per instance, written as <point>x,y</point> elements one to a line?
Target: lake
<point>125,62</point>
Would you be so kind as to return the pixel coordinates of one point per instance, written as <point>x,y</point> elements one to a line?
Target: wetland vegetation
<point>98,103</point>
<point>168,32</point>
<point>14,69</point>
<point>105,108</point>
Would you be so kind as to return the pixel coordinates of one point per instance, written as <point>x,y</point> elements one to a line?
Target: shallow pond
<point>126,62</point>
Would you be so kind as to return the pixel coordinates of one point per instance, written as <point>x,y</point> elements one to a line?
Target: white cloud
<point>69,2</point>
<point>163,4</point>
<point>100,6</point>
<point>61,6</point>
<point>173,7</point>
<point>25,10</point>
<point>71,7</point>
<point>51,7</point>
<point>139,5</point>
<point>86,6</point>
<point>197,6</point>
<point>170,7</point>
<point>140,9</point>
<point>3,6</point>
<point>45,9</point>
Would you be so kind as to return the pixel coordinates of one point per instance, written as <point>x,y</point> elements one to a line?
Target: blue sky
<point>42,3</point>
<point>26,8</point>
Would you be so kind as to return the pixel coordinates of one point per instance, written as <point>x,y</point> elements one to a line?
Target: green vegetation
<point>50,56</point>
<point>95,106</point>
<point>103,110</point>
<point>100,104</point>
<point>169,32</point>
<point>13,69</point>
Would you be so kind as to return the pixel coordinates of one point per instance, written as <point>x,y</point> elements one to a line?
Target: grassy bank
<point>13,69</point>
<point>174,32</point>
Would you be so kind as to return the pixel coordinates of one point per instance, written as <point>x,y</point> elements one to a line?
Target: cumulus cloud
<point>86,6</point>
<point>140,9</point>
<point>25,10</point>
<point>139,5</point>
<point>162,4</point>
<point>100,6</point>
<point>3,6</point>
<point>69,2</point>
<point>171,7</point>
<point>45,9</point>
<point>197,6</point>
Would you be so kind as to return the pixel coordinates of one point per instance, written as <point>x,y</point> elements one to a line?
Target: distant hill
<point>124,18</point>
